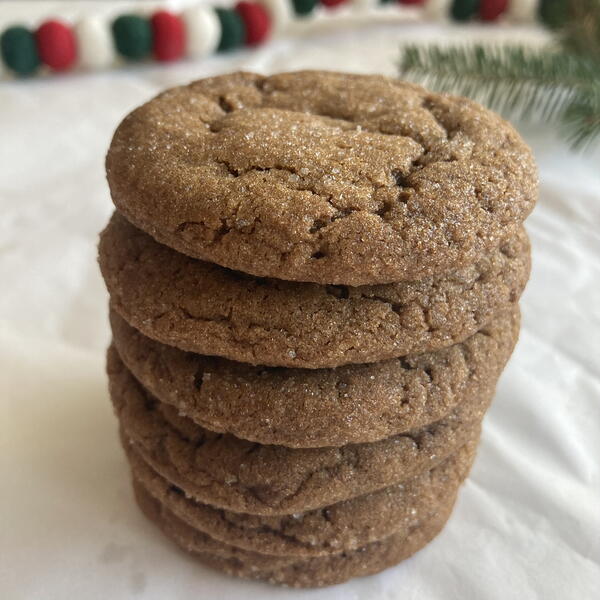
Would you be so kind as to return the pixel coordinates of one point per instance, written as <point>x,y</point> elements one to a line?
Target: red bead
<point>168,35</point>
<point>56,45</point>
<point>490,10</point>
<point>332,3</point>
<point>257,21</point>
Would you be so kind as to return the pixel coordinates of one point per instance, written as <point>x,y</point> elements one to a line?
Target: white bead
<point>281,13</point>
<point>364,4</point>
<point>202,30</point>
<point>95,46</point>
<point>437,9</point>
<point>522,11</point>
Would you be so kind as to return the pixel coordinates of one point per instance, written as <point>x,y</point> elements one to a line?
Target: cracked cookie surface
<point>321,176</point>
<point>242,476</point>
<point>292,571</point>
<point>319,407</point>
<point>347,525</point>
<point>203,308</point>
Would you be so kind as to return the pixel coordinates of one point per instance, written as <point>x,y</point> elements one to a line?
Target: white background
<point>527,524</point>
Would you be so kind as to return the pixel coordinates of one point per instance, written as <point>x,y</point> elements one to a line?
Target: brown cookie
<point>321,176</point>
<point>203,308</point>
<point>346,525</point>
<point>320,407</point>
<point>291,571</point>
<point>243,476</point>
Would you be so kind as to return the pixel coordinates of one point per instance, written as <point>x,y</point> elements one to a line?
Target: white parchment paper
<point>527,524</point>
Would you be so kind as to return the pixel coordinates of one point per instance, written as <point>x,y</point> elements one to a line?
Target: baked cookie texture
<point>314,281</point>
<point>243,476</point>
<point>320,407</point>
<point>347,525</point>
<point>320,176</point>
<point>202,308</point>
<point>312,572</point>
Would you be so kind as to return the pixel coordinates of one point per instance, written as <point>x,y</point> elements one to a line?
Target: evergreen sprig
<point>581,117</point>
<point>559,82</point>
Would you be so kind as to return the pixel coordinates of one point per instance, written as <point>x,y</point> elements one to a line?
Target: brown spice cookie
<point>203,308</point>
<point>246,477</point>
<point>321,407</point>
<point>321,176</point>
<point>311,572</point>
<point>343,526</point>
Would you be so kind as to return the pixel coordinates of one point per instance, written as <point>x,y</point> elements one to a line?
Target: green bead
<point>553,13</point>
<point>19,51</point>
<point>463,10</point>
<point>386,1</point>
<point>304,7</point>
<point>233,31</point>
<point>133,36</point>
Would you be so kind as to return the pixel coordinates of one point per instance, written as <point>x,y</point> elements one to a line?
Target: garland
<point>94,43</point>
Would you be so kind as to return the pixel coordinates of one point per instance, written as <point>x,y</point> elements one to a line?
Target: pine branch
<point>541,83</point>
<point>581,118</point>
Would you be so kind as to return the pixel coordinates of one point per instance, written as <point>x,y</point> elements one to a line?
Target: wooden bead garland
<point>56,45</point>
<point>95,46</point>
<point>203,30</point>
<point>256,21</point>
<point>168,36</point>
<point>133,36</point>
<point>233,30</point>
<point>200,30</point>
<point>19,50</point>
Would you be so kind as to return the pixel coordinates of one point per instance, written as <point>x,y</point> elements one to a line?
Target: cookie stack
<point>313,284</point>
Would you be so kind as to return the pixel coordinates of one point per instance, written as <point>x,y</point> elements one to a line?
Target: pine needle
<point>581,118</point>
<point>544,84</point>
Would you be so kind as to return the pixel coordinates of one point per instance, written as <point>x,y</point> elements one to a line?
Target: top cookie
<point>322,177</point>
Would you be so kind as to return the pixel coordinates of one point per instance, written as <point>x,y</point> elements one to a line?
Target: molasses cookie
<point>203,308</point>
<point>319,407</point>
<point>292,571</point>
<point>346,525</point>
<point>318,176</point>
<point>242,476</point>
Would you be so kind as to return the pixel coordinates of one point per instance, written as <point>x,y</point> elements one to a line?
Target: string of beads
<point>95,43</point>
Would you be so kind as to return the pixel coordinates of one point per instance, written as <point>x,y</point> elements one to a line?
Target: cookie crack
<point>428,104</point>
<point>349,456</point>
<point>399,176</point>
